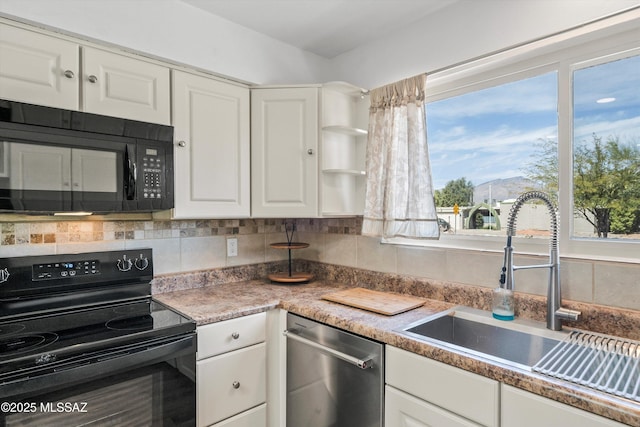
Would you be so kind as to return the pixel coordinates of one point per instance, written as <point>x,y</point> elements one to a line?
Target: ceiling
<point>325,27</point>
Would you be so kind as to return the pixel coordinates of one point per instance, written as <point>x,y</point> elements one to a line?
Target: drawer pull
<point>236,385</point>
<point>235,335</point>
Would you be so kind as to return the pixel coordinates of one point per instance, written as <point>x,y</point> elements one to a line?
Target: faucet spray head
<point>503,273</point>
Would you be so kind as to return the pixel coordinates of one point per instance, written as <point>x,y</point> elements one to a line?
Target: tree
<point>458,191</point>
<point>543,169</point>
<point>606,181</point>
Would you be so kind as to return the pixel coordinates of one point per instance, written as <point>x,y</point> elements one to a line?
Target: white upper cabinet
<point>284,146</point>
<point>38,69</point>
<point>116,85</point>
<point>46,70</point>
<point>212,153</point>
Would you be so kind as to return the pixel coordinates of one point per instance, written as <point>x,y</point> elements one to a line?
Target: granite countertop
<point>214,303</point>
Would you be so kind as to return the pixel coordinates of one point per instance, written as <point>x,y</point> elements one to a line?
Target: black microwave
<point>54,160</point>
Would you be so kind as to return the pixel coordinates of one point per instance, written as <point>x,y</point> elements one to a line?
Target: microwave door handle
<point>130,176</point>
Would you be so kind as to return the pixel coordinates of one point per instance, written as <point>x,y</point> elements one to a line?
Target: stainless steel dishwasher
<point>334,378</point>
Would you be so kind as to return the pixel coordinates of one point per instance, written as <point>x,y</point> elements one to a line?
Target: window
<point>530,116</point>
<point>606,149</point>
<point>482,146</point>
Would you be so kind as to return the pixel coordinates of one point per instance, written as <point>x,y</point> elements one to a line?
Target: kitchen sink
<point>520,343</point>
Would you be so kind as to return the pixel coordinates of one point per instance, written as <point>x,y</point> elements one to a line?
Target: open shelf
<point>346,130</point>
<point>345,171</point>
<point>345,88</point>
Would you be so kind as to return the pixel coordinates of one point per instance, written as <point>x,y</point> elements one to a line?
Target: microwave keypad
<point>152,169</point>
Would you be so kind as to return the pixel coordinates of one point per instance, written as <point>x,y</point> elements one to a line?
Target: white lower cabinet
<point>404,410</point>
<point>523,409</point>
<point>231,373</point>
<point>445,392</point>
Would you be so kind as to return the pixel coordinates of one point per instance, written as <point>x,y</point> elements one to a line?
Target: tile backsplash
<point>16,233</point>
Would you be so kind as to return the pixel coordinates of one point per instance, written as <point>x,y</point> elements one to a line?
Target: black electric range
<point>70,319</point>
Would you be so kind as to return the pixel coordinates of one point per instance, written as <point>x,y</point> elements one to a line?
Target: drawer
<point>229,335</point>
<point>230,383</point>
<point>256,417</point>
<point>464,393</point>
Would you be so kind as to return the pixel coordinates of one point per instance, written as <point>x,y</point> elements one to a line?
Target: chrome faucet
<point>555,312</point>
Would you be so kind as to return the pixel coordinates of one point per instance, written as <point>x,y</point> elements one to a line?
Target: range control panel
<point>56,270</point>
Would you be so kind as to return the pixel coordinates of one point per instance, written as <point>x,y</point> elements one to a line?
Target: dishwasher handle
<point>360,363</point>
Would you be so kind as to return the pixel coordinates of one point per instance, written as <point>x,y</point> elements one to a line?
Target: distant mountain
<point>502,189</point>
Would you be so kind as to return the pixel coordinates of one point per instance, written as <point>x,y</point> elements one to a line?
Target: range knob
<point>125,263</point>
<point>141,263</point>
<point>4,275</point>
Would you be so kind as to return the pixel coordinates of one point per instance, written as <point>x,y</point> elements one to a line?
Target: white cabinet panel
<point>523,409</point>
<point>38,69</point>
<point>117,85</point>
<point>404,410</point>
<point>212,158</point>
<point>284,145</point>
<point>230,383</point>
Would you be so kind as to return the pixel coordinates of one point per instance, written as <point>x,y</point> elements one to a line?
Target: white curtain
<point>399,194</point>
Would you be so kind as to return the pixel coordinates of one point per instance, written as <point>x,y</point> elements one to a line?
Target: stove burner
<point>12,328</point>
<point>138,323</point>
<point>24,343</point>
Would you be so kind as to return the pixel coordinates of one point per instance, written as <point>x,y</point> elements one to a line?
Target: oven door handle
<point>360,363</point>
<point>97,366</point>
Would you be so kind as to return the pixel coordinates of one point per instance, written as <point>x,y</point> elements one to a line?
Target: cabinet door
<point>284,145</point>
<point>404,410</point>
<point>523,409</point>
<point>212,163</point>
<point>120,86</point>
<point>38,69</point>
<point>230,383</point>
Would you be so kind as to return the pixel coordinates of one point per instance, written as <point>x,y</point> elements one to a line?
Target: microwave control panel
<point>153,172</point>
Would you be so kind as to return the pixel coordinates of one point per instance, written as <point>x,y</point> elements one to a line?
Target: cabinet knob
<point>310,151</point>
<point>93,79</point>
<point>236,385</point>
<point>182,144</point>
<point>69,74</point>
<point>235,335</point>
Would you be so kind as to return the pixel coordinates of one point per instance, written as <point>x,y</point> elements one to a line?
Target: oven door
<point>149,383</point>
<point>50,170</point>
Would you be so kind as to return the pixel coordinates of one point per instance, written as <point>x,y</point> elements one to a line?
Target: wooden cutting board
<point>378,302</point>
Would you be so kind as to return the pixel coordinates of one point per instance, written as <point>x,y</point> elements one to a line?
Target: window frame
<point>599,42</point>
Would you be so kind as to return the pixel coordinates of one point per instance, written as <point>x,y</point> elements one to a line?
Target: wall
<point>178,246</point>
<point>174,30</point>
<point>181,246</point>
<point>464,31</point>
<point>596,282</point>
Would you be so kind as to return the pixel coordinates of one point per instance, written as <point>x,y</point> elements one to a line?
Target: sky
<point>493,133</point>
